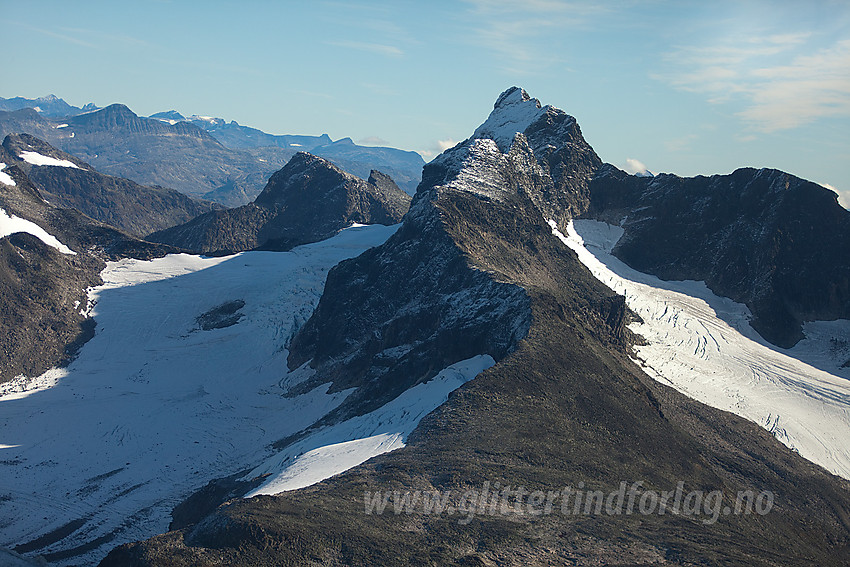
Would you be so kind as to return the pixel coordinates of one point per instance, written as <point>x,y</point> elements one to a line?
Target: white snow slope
<point>513,114</point>
<point>10,224</point>
<point>703,345</point>
<point>339,447</point>
<point>36,158</point>
<point>5,177</point>
<point>154,407</point>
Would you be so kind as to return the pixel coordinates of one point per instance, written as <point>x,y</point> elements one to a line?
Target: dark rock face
<point>559,186</point>
<point>310,199</point>
<point>398,314</point>
<point>765,238</point>
<point>42,291</point>
<point>476,261</point>
<point>121,203</point>
<point>222,316</point>
<point>40,288</point>
<point>404,167</point>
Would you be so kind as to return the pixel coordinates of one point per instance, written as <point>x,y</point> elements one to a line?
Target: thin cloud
<point>378,48</point>
<point>437,148</point>
<point>517,32</point>
<point>781,81</point>
<point>634,166</point>
<point>843,196</point>
<point>373,141</point>
<point>680,144</point>
<point>446,144</point>
<point>56,35</point>
<point>380,90</point>
<point>108,37</point>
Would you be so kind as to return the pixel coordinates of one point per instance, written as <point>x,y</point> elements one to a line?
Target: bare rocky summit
<point>308,200</point>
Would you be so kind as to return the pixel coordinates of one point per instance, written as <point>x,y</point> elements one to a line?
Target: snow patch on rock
<point>513,113</point>
<point>10,224</point>
<point>36,158</point>
<point>337,448</point>
<point>5,177</point>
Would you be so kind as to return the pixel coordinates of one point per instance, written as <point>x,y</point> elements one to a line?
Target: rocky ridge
<point>308,200</point>
<point>762,237</point>
<point>124,204</point>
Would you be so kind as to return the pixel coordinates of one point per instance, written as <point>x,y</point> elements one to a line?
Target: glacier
<point>155,407</point>
<point>702,345</point>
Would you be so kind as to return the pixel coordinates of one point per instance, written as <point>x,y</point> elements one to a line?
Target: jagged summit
<point>513,112</point>
<point>302,170</point>
<point>518,133</point>
<point>308,200</point>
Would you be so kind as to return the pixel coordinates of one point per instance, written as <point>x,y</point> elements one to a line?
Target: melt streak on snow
<point>344,445</point>
<point>703,346</point>
<point>10,224</point>
<point>154,407</point>
<point>36,158</point>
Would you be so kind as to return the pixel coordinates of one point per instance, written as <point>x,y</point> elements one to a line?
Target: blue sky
<point>683,87</point>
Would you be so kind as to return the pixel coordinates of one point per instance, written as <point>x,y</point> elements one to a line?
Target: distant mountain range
<point>66,181</point>
<point>200,156</point>
<point>50,105</point>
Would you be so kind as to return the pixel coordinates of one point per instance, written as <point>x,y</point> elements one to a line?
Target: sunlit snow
<point>703,346</point>
<point>36,158</point>
<point>5,177</point>
<point>10,224</point>
<point>154,407</point>
<point>337,448</point>
<point>512,115</point>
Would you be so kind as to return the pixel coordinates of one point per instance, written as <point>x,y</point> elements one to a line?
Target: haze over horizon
<point>685,88</point>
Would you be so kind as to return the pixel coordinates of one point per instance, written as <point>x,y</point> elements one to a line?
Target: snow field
<point>154,408</point>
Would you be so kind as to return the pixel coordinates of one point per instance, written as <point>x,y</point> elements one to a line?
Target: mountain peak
<point>302,170</point>
<point>168,115</point>
<point>119,108</point>
<point>512,95</point>
<point>513,112</point>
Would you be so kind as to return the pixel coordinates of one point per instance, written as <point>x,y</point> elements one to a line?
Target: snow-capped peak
<point>513,112</point>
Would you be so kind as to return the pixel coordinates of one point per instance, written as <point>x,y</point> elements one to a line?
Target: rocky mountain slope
<point>777,243</point>
<point>476,269</point>
<point>49,256</point>
<point>308,200</point>
<point>68,182</point>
